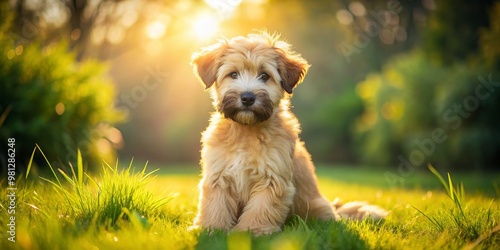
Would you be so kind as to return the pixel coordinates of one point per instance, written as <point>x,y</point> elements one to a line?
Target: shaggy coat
<point>256,171</point>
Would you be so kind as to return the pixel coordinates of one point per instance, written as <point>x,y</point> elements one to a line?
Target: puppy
<point>256,171</point>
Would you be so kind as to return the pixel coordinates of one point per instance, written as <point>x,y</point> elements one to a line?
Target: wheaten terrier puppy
<point>256,171</point>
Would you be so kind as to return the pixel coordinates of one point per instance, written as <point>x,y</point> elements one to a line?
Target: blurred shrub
<point>388,97</point>
<point>419,112</point>
<point>328,130</point>
<point>438,105</point>
<point>49,99</point>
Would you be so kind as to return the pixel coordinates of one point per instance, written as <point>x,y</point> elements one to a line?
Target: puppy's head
<point>249,75</point>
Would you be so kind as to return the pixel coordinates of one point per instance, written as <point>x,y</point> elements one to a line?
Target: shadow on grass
<point>296,234</point>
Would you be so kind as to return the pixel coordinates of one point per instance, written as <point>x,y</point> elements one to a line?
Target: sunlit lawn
<point>45,221</point>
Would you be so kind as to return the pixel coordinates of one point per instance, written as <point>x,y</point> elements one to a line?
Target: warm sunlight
<point>205,26</point>
<point>224,6</point>
<point>156,29</point>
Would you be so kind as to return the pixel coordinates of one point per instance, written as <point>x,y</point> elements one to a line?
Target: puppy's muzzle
<point>246,108</point>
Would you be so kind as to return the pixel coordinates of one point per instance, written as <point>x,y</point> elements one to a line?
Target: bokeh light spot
<point>205,26</point>
<point>357,8</point>
<point>115,34</point>
<point>344,17</point>
<point>386,36</point>
<point>156,29</point>
<point>19,49</point>
<point>98,35</point>
<point>75,34</point>
<point>60,108</point>
<point>11,54</point>
<point>393,110</point>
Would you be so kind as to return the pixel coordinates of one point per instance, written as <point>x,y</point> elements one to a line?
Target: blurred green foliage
<point>423,110</point>
<point>490,37</point>
<point>48,99</point>
<point>388,78</point>
<point>454,29</point>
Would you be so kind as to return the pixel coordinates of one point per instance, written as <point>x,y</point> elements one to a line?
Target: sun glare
<point>205,26</point>
<point>223,5</point>
<point>155,29</point>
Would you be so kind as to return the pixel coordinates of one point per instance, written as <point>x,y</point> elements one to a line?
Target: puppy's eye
<point>233,75</point>
<point>263,77</point>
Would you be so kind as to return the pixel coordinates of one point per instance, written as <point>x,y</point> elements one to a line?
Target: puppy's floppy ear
<point>207,62</point>
<point>292,68</point>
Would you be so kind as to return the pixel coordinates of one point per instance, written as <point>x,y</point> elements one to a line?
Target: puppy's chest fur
<point>245,158</point>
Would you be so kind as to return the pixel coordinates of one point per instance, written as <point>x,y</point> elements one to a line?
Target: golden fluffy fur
<point>256,171</point>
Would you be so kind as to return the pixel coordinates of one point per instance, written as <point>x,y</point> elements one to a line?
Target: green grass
<point>132,208</point>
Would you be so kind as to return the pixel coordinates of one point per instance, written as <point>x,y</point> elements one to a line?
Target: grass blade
<point>53,184</point>
<point>30,163</point>
<point>144,168</point>
<point>4,114</point>
<point>66,177</point>
<point>130,164</point>
<point>50,166</point>
<point>150,173</point>
<point>107,165</point>
<point>451,192</point>
<point>438,175</point>
<point>79,166</point>
<point>435,222</point>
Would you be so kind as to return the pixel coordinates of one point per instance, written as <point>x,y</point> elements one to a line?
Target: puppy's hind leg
<point>308,203</point>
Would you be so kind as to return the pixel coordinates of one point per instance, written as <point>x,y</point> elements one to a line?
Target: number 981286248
<point>11,161</point>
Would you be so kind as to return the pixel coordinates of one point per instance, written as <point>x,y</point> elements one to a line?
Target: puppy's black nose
<point>247,99</point>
